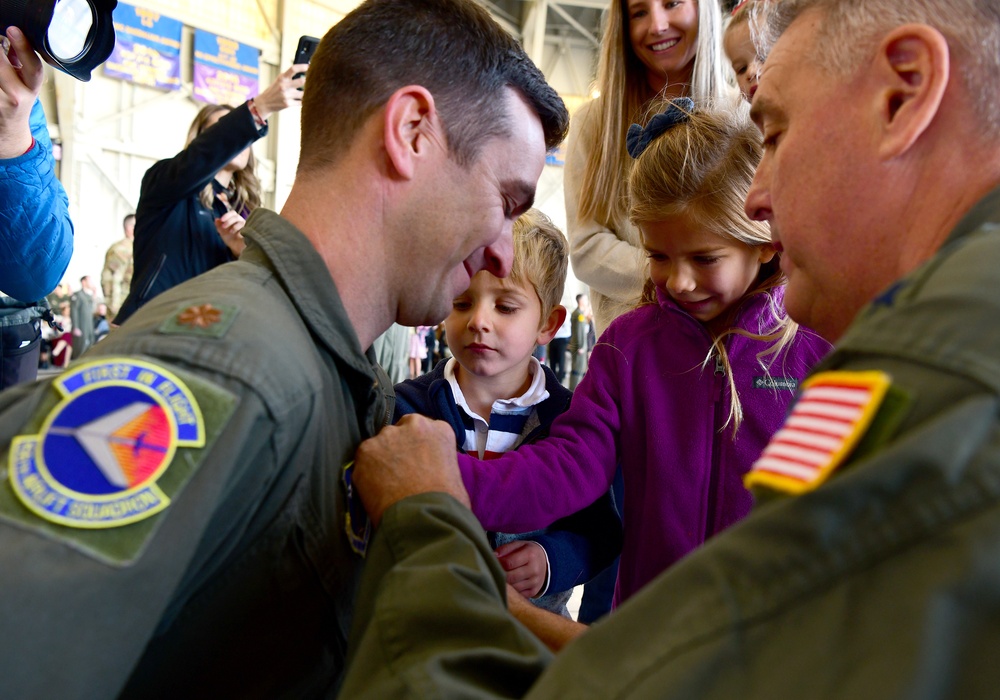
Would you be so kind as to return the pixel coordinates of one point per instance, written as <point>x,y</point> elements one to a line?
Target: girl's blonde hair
<point>741,14</point>
<point>245,187</point>
<point>625,94</point>
<point>750,12</point>
<point>702,168</point>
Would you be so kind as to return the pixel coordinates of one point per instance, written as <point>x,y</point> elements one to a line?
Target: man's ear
<point>915,65</point>
<point>551,324</point>
<point>410,119</point>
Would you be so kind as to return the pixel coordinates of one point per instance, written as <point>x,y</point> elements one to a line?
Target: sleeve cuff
<point>548,571</point>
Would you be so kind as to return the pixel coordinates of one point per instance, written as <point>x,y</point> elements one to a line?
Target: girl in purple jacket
<point>685,391</point>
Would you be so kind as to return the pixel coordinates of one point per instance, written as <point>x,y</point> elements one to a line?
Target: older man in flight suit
<point>871,566</point>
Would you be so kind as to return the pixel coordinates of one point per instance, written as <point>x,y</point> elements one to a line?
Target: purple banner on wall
<point>147,48</point>
<point>225,71</point>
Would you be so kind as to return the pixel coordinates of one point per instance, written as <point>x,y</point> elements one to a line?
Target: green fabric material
<point>120,546</point>
<point>244,585</point>
<point>413,613</point>
<point>884,582</point>
<point>213,329</point>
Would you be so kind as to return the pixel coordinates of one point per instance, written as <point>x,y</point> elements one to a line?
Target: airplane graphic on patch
<point>127,445</point>
<point>98,457</point>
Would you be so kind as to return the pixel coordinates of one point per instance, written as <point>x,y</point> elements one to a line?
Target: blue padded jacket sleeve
<point>36,234</point>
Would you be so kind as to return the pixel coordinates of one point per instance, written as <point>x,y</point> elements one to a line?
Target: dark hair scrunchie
<point>638,139</point>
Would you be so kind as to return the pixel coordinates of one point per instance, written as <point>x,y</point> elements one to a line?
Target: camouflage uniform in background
<point>116,278</point>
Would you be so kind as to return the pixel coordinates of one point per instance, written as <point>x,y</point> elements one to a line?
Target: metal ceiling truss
<point>563,24</point>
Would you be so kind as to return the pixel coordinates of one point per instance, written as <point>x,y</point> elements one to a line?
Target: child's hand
<point>526,566</point>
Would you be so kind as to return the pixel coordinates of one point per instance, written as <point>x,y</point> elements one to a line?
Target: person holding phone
<point>192,207</point>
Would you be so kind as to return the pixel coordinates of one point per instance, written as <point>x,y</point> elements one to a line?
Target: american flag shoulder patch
<point>832,414</point>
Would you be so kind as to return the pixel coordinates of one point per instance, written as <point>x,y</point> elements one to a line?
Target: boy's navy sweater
<point>579,546</point>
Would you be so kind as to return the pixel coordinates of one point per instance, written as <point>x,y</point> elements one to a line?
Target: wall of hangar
<point>109,131</point>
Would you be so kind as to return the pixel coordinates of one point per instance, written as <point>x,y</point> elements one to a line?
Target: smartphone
<point>304,51</point>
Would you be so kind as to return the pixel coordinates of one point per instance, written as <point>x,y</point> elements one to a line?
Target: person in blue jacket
<point>36,241</point>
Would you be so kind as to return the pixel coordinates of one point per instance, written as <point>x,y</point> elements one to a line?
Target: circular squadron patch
<point>96,460</point>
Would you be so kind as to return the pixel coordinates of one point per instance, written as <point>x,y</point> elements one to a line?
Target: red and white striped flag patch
<point>826,423</point>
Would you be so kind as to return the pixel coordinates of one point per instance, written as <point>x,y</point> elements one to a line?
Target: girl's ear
<point>766,252</point>
<point>551,324</point>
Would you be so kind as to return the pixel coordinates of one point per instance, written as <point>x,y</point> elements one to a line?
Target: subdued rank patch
<point>201,319</point>
<point>114,441</point>
<point>826,423</point>
<point>356,523</point>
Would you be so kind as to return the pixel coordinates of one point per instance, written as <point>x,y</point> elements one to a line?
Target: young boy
<point>496,396</point>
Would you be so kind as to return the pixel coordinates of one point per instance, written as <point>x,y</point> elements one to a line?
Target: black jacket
<point>175,235</point>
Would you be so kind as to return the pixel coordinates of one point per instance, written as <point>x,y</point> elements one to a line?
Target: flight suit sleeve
<point>431,619</point>
<point>80,605</point>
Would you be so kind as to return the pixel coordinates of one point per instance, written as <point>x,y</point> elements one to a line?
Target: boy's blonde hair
<point>541,258</point>
<point>702,168</point>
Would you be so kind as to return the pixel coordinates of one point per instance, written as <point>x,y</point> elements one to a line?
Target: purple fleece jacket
<point>647,402</point>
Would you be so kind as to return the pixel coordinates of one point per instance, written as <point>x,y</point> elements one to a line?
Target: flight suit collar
<point>275,243</point>
<point>986,210</point>
<point>938,313</point>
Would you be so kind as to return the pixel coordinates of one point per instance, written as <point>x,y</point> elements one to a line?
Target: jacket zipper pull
<point>720,372</point>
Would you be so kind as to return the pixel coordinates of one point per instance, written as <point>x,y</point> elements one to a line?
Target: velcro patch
<point>830,417</point>
<point>210,320</point>
<point>107,451</point>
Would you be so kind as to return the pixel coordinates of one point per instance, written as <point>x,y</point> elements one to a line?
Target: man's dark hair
<point>126,219</point>
<point>453,48</point>
<point>578,298</point>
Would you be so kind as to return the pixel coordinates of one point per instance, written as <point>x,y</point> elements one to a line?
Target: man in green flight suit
<point>870,567</point>
<point>172,510</point>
